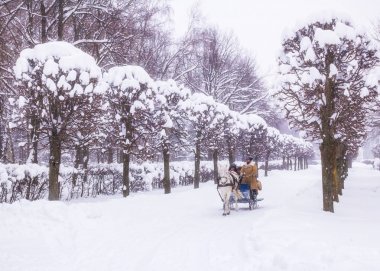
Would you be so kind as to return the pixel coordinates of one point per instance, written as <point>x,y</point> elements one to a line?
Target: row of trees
<point>125,32</point>
<point>66,99</point>
<point>327,92</point>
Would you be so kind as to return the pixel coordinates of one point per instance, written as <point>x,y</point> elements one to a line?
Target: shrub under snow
<point>30,181</point>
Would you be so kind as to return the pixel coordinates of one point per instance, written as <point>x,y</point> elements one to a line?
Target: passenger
<point>234,173</point>
<point>249,174</point>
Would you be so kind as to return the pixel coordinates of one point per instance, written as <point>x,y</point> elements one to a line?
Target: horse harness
<point>227,183</point>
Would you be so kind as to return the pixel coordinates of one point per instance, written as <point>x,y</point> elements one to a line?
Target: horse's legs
<point>227,202</point>
<point>223,195</point>
<point>236,199</point>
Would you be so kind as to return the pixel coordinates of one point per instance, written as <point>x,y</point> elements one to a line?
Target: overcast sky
<point>259,24</point>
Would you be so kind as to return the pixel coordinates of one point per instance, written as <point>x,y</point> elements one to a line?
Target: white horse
<point>227,183</point>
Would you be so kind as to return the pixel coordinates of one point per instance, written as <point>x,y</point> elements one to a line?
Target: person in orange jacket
<point>249,173</point>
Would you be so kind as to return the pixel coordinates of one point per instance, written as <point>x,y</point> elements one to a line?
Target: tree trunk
<point>349,161</point>
<point>287,163</point>
<point>266,164</point>
<point>54,163</point>
<point>231,156</point>
<point>295,163</point>
<point>30,26</point>
<point>9,147</point>
<point>328,146</point>
<point>283,162</point>
<point>127,151</point>
<point>85,152</point>
<point>77,163</point>
<point>126,162</point>
<point>340,167</point>
<point>34,138</point>
<point>86,159</point>
<point>215,160</point>
<point>197,160</point>
<point>109,155</point>
<point>327,156</point>
<point>1,138</point>
<point>166,156</point>
<point>336,183</point>
<point>300,163</point>
<point>60,19</point>
<point>35,151</point>
<point>43,22</point>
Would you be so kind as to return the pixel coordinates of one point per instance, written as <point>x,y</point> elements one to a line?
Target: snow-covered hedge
<point>273,165</point>
<point>30,181</point>
<point>106,179</point>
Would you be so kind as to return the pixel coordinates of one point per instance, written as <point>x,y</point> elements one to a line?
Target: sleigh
<point>243,196</point>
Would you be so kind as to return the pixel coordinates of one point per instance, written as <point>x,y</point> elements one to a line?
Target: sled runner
<point>244,197</point>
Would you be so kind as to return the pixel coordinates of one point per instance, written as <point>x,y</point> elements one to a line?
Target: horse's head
<point>223,174</point>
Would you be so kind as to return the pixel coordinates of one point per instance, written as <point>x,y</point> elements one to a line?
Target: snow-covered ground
<point>186,230</point>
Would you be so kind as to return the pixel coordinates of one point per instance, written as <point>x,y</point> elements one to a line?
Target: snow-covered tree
<point>201,112</point>
<point>287,150</point>
<point>58,81</point>
<point>272,141</point>
<point>253,136</point>
<point>300,148</point>
<point>169,123</point>
<point>219,129</point>
<point>233,125</point>
<point>131,98</point>
<point>85,133</point>
<point>323,68</point>
<point>306,152</point>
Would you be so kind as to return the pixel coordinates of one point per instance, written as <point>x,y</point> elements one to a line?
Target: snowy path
<point>186,231</point>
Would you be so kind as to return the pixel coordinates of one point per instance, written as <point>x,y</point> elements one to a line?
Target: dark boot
<point>253,194</point>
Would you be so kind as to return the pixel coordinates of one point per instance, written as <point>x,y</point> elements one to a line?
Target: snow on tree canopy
<point>326,62</point>
<point>312,42</point>
<point>199,103</point>
<point>128,77</point>
<point>324,17</point>
<point>273,132</point>
<point>325,37</point>
<point>132,85</point>
<point>60,69</point>
<point>253,120</point>
<point>170,88</point>
<point>63,67</point>
<point>305,44</point>
<point>170,95</point>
